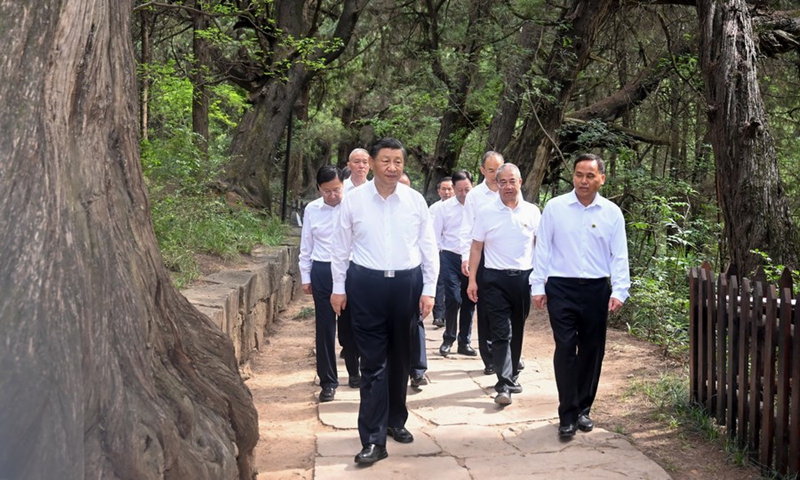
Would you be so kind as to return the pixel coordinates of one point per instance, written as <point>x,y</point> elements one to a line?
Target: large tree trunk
<point>531,150</point>
<point>751,194</point>
<point>106,371</point>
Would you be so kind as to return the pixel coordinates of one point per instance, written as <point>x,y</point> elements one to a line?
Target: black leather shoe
<point>521,364</point>
<point>503,398</point>
<point>438,322</point>
<point>567,431</point>
<point>327,394</point>
<point>444,350</point>
<point>585,424</point>
<point>418,380</point>
<point>354,381</point>
<point>400,434</point>
<point>488,370</point>
<point>467,350</point>
<point>516,388</point>
<point>371,454</point>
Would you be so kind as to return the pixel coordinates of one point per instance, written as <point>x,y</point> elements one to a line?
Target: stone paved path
<point>460,433</point>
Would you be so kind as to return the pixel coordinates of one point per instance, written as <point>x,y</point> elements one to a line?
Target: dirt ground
<point>284,395</point>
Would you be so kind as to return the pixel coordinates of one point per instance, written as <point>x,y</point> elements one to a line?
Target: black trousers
<point>419,357</point>
<point>484,332</point>
<point>347,340</point>
<point>439,299</point>
<point>325,337</point>
<point>459,308</point>
<point>383,312</point>
<point>578,311</point>
<point>508,303</point>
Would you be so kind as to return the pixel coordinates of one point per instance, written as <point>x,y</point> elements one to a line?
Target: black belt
<point>383,273</point>
<point>582,281</point>
<point>510,272</point>
<point>321,263</point>
<point>450,252</point>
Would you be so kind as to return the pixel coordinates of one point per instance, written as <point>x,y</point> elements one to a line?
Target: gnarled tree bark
<point>750,191</point>
<point>106,371</point>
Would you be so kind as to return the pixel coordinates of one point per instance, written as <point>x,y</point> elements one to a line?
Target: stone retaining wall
<point>243,302</point>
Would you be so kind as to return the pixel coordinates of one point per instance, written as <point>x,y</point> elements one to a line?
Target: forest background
<point>694,105</point>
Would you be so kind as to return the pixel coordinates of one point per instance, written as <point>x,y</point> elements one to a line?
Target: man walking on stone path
<point>479,196</point>
<point>444,188</point>
<point>581,273</point>
<point>504,232</point>
<point>390,282</point>
<point>459,309</point>
<point>315,272</point>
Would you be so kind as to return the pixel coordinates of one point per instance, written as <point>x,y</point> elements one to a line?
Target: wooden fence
<point>744,363</point>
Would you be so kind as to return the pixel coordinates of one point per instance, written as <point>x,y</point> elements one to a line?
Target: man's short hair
<point>441,181</point>
<point>509,166</point>
<point>346,172</point>
<point>326,173</point>
<point>601,164</point>
<point>489,154</point>
<point>390,143</point>
<point>462,175</point>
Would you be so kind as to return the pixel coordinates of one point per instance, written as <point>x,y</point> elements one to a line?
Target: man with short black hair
<point>447,221</point>
<point>581,273</point>
<point>390,281</point>
<point>319,220</point>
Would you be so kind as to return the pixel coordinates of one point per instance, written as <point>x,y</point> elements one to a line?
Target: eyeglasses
<point>503,183</point>
<point>335,191</point>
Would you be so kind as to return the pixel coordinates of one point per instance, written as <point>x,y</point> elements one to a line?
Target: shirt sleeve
<point>437,219</point>
<point>541,252</point>
<point>429,252</point>
<point>306,247</point>
<point>341,246</point>
<point>478,230</point>
<point>465,235</point>
<point>620,271</point>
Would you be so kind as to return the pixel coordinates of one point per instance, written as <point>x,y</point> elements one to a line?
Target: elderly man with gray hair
<point>505,231</point>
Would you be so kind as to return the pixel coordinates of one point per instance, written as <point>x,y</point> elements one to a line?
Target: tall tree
<point>106,371</point>
<point>750,191</point>
<point>287,51</point>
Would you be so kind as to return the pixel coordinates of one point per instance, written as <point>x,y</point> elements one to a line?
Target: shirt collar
<point>573,198</point>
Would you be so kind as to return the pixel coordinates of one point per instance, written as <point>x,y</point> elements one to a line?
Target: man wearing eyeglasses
<point>505,232</point>
<point>319,220</point>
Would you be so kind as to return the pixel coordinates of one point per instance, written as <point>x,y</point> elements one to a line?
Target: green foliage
<point>185,225</point>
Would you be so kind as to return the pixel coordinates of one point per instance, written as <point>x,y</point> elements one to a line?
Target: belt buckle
<point>388,274</point>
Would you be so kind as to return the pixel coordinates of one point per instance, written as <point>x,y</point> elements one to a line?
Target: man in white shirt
<point>444,188</point>
<point>358,163</point>
<point>447,221</point>
<point>581,244</point>
<point>390,281</point>
<point>315,272</point>
<point>505,232</point>
<point>483,194</point>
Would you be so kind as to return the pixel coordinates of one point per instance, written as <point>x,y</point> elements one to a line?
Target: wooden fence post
<point>720,385</point>
<point>694,322</point>
<point>711,346</point>
<point>732,387</point>
<point>784,377</point>
<point>794,421</point>
<point>756,362</point>
<point>745,398</point>
<point>768,400</point>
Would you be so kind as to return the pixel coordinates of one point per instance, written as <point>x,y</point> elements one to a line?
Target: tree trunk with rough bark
<point>533,149</point>
<point>106,371</point>
<point>751,194</point>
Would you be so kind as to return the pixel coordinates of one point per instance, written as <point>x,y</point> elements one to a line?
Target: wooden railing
<point>744,363</point>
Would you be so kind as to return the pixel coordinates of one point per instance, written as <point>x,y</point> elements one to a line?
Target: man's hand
<point>338,302</point>
<point>472,290</point>
<point>307,288</point>
<point>540,301</point>
<point>465,268</point>
<point>614,304</point>
<point>426,305</point>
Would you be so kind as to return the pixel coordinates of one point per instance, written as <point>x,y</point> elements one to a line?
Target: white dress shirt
<point>394,233</point>
<point>448,219</point>
<point>319,220</point>
<point>476,199</point>
<point>348,185</point>
<point>508,235</point>
<point>582,242</point>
